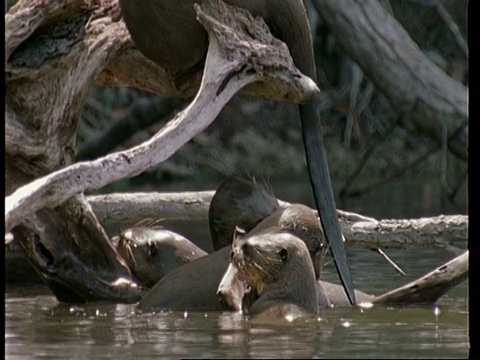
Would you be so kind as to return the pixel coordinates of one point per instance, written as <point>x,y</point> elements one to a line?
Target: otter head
<point>301,221</point>
<point>277,268</point>
<point>238,202</point>
<point>264,259</point>
<point>132,241</point>
<point>296,219</point>
<point>125,247</point>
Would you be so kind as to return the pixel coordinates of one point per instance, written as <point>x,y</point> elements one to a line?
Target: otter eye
<point>318,248</point>
<point>152,250</point>
<point>231,255</point>
<point>283,254</point>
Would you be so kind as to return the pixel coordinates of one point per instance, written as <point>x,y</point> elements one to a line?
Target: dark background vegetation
<point>379,165</point>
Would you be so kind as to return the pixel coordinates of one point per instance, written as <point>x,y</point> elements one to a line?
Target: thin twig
<point>375,184</point>
<point>453,27</point>
<point>372,146</point>
<point>389,260</point>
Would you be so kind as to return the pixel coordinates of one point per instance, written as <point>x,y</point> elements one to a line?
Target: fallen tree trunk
<point>425,96</point>
<point>53,51</point>
<point>130,208</point>
<point>438,232</point>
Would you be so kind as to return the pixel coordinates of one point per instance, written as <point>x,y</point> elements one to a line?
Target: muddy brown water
<point>37,326</point>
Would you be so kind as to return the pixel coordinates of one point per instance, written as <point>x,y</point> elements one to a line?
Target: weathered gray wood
<point>73,266</point>
<point>437,232</point>
<point>52,51</point>
<point>129,208</point>
<point>46,82</point>
<point>234,60</point>
<point>431,286</point>
<point>417,88</point>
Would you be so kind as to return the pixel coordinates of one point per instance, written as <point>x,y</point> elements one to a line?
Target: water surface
<point>37,326</point>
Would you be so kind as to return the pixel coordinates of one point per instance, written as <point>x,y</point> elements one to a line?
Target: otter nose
<point>221,297</point>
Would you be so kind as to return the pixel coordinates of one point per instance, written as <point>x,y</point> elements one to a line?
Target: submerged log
<point>431,286</point>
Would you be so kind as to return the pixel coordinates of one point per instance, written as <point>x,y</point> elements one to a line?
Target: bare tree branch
<point>141,114</point>
<point>230,65</point>
<point>415,86</point>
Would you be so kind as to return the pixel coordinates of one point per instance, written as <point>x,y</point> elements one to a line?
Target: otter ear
<point>283,253</point>
<point>238,232</point>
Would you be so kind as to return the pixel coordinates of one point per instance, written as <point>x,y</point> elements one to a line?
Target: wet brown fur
<point>278,267</point>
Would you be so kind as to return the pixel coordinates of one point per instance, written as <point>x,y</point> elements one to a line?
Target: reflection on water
<point>37,326</point>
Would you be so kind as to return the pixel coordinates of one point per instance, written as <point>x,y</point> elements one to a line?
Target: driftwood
<point>53,50</point>
<point>129,208</point>
<point>360,27</point>
<point>440,232</point>
<point>417,88</point>
<point>431,286</point>
<point>141,114</point>
<point>230,65</point>
<point>57,229</point>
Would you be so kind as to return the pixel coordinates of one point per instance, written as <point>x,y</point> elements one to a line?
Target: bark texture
<point>57,55</point>
<point>55,48</point>
<point>417,88</point>
<point>439,232</point>
<point>431,286</point>
<point>52,51</point>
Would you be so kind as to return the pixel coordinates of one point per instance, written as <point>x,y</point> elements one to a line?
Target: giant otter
<point>194,285</point>
<point>278,268</point>
<point>152,252</point>
<point>166,31</point>
<point>238,203</point>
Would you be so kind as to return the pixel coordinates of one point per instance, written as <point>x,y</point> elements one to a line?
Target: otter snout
<point>231,289</point>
